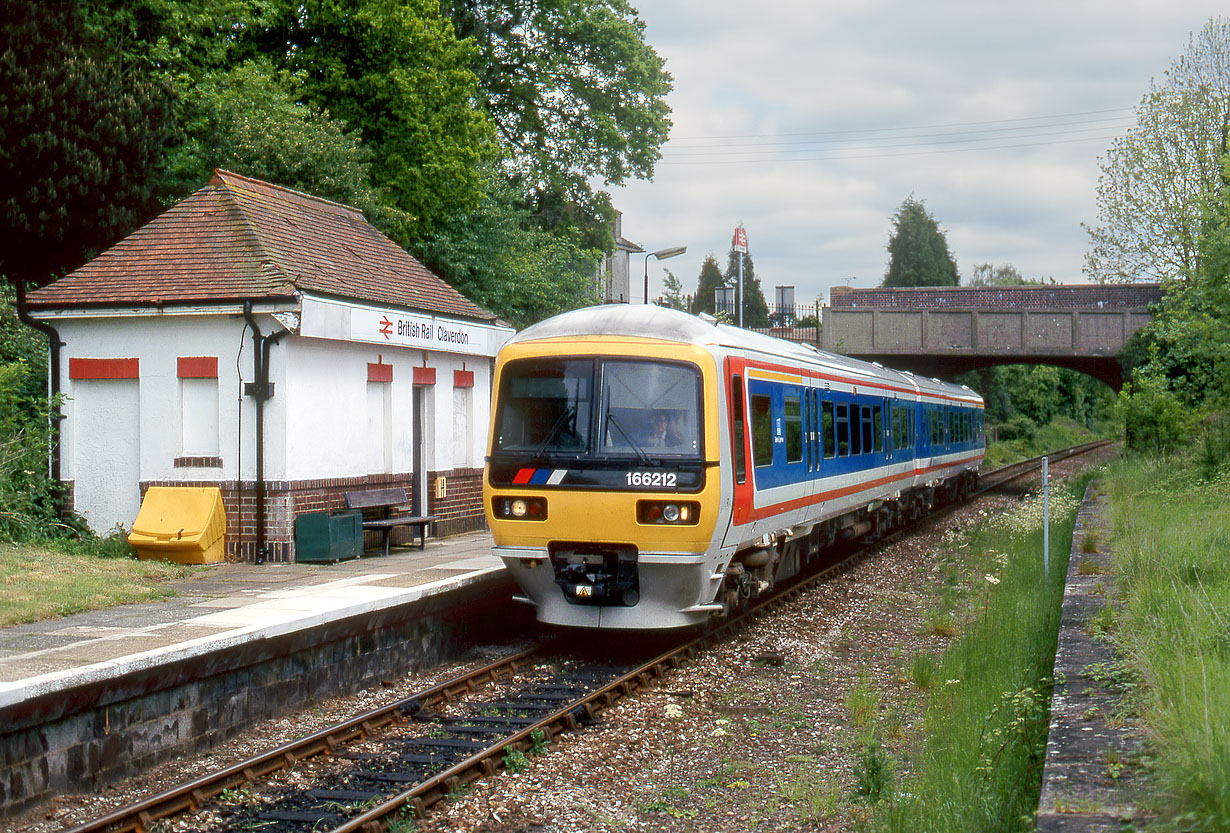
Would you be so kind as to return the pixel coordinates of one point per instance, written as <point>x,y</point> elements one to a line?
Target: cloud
<point>810,122</point>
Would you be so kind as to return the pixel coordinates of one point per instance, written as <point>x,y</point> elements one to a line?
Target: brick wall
<point>461,510</point>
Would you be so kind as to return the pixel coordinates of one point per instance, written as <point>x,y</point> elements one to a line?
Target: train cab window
<point>762,431</point>
<point>868,430</point>
<point>878,427</point>
<point>793,407</point>
<point>843,429</point>
<point>826,430</point>
<point>545,405</point>
<point>738,428</point>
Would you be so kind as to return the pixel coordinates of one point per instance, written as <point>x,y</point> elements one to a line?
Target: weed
<point>538,742</point>
<point>873,772</point>
<point>664,804</point>
<point>814,795</point>
<point>862,703</point>
<point>894,725</point>
<point>923,671</point>
<point>1092,542</point>
<point>515,760</point>
<point>403,821</point>
<point>1089,567</point>
<point>941,624</point>
<point>1103,623</point>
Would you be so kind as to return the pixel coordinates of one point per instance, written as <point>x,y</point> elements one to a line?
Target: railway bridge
<point>945,331</point>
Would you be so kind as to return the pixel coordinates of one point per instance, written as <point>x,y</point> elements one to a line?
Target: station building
<point>277,346</point>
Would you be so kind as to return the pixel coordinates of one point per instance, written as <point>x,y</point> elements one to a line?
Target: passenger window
<point>878,427</point>
<point>762,431</point>
<point>738,429</point>
<point>794,429</point>
<point>868,439</point>
<point>843,429</point>
<point>826,429</point>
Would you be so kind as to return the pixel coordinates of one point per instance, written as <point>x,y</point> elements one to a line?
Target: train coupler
<point>590,574</point>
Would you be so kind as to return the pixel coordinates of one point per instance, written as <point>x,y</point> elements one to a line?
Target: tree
<point>395,72</point>
<point>248,119</point>
<point>79,142</point>
<point>497,256</point>
<point>987,275</point>
<point>755,308</point>
<point>917,250</point>
<point>710,279</point>
<point>1156,181</point>
<point>574,91</point>
<point>1187,344</point>
<point>672,295</point>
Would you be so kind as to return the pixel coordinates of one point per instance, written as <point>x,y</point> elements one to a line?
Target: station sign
<point>398,328</point>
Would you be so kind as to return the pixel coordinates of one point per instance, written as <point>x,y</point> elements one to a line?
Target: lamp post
<point>660,254</point>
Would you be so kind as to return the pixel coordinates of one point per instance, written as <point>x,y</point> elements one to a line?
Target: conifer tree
<point>918,252</point>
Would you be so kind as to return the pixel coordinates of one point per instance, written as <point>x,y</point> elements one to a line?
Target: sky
<point>810,123</point>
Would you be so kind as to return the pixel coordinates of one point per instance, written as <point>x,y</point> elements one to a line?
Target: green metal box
<point>328,536</point>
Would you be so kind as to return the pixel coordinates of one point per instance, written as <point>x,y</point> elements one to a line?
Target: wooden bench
<point>378,504</point>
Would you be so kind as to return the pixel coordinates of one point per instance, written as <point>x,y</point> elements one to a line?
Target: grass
<point>1061,433</point>
<point>986,716</point>
<point>1171,539</point>
<point>43,583</point>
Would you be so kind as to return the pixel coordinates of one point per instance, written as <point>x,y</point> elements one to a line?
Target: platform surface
<point>227,604</point>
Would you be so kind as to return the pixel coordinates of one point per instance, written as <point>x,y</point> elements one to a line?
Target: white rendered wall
<point>327,392</point>
<point>315,424</point>
<point>96,450</point>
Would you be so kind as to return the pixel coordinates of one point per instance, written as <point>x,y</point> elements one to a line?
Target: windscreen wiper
<point>559,423</point>
<point>641,455</point>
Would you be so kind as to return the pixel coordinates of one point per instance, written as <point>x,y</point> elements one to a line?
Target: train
<point>649,469</point>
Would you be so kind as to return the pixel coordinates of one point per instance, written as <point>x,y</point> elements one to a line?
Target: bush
<point>1154,420</point>
<point>1214,450</point>
<point>29,498</point>
<point>1020,427</point>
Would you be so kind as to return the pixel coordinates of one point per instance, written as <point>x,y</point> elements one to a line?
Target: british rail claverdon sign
<point>375,325</point>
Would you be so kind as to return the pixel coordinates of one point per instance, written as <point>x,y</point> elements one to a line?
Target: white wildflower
<point>991,578</point>
<point>952,682</point>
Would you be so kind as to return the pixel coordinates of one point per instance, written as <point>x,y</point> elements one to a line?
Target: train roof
<point>648,321</point>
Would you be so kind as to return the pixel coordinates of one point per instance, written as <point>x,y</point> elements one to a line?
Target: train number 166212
<point>653,479</point>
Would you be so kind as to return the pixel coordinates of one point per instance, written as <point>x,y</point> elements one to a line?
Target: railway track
<point>397,761</point>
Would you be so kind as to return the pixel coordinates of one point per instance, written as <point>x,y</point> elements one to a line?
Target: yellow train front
<point>603,483</point>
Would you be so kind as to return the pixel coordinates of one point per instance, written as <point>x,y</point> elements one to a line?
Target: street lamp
<point>660,254</point>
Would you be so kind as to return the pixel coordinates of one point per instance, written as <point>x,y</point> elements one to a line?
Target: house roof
<point>241,239</point>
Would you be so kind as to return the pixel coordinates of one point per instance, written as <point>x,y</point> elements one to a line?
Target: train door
<point>740,451</point>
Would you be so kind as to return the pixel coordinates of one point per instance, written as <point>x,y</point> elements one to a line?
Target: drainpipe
<point>260,389</point>
<point>54,344</point>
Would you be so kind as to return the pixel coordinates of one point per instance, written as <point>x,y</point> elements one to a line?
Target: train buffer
<point>378,507</point>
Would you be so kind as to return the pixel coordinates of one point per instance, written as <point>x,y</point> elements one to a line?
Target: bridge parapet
<point>949,330</point>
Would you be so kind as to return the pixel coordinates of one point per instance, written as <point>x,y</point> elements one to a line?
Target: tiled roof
<point>243,239</point>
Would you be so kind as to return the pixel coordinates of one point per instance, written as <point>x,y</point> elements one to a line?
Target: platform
<point>236,642</point>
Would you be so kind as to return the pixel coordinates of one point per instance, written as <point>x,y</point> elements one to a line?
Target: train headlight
<point>519,508</point>
<point>659,512</point>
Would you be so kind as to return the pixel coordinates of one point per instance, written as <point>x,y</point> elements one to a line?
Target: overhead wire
<point>1001,134</point>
